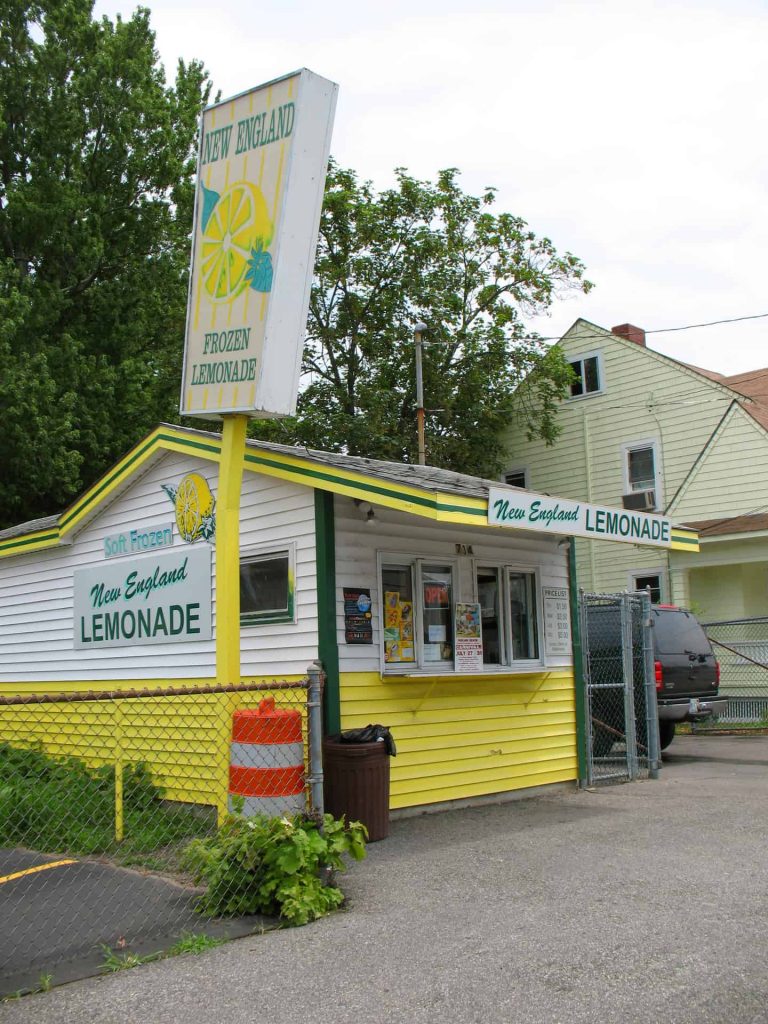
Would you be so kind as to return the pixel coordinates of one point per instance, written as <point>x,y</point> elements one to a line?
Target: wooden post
<point>228,578</point>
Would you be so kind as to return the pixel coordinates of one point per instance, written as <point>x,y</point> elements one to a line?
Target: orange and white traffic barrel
<point>266,764</point>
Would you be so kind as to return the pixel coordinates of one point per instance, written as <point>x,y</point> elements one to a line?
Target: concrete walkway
<point>643,902</point>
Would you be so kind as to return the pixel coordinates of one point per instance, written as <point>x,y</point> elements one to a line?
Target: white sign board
<point>158,599</point>
<point>261,177</point>
<point>522,510</point>
<point>557,621</point>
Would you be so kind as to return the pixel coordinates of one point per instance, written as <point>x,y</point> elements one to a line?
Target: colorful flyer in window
<point>406,620</point>
<point>392,611</point>
<point>469,638</point>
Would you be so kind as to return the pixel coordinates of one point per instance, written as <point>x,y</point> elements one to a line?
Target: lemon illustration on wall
<point>236,234</point>
<point>194,503</point>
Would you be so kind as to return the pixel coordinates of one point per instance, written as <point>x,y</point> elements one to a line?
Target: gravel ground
<point>627,904</point>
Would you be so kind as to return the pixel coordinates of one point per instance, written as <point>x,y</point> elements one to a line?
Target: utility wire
<point>659,330</point>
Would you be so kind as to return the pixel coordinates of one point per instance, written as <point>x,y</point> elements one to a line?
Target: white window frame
<point>277,617</point>
<point>659,571</point>
<point>596,354</point>
<point>634,446</point>
<point>505,633</point>
<point>419,666</point>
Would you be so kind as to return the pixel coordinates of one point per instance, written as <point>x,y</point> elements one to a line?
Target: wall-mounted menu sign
<point>358,628</point>
<point>557,620</point>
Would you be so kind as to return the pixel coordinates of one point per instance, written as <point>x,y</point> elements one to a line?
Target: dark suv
<point>687,673</point>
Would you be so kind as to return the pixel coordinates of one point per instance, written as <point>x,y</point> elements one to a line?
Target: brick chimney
<point>631,333</point>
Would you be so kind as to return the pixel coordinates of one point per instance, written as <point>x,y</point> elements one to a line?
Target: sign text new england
<point>526,511</point>
<point>152,600</point>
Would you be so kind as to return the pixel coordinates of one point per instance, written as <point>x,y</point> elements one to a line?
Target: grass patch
<point>61,805</point>
<point>188,944</point>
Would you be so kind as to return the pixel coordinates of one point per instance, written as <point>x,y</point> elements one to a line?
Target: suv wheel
<point>666,733</point>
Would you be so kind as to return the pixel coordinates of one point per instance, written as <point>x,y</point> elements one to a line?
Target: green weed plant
<point>273,866</point>
<point>61,805</point>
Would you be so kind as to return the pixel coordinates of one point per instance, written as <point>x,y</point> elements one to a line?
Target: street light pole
<point>417,332</point>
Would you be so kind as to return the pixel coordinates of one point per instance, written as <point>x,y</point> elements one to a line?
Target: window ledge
<point>580,398</point>
<point>489,672</point>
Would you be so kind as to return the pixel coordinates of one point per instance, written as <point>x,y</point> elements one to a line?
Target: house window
<point>650,582</point>
<point>587,370</point>
<point>516,478</point>
<point>641,468</point>
<point>266,588</point>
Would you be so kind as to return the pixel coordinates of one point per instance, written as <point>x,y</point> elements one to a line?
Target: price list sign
<point>557,620</point>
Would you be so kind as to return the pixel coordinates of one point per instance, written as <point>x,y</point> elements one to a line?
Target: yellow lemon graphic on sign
<point>235,225</point>
<point>194,505</point>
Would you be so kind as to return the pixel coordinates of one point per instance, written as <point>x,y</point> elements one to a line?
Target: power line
<point>657,330</point>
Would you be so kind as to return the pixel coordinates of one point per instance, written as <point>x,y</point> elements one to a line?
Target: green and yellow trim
<point>435,505</point>
<point>684,540</point>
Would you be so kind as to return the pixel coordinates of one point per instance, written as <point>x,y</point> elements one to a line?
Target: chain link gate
<point>623,740</point>
<point>741,647</point>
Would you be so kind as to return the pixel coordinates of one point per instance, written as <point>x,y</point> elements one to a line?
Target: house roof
<point>437,494</point>
<point>752,385</point>
<point>755,522</point>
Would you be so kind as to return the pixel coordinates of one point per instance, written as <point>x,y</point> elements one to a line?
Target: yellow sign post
<point>261,176</point>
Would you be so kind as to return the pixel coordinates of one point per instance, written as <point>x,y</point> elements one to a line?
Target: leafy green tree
<point>427,252</point>
<point>97,160</point>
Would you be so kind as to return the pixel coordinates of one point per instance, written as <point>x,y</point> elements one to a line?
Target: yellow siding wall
<point>467,738</point>
<point>184,740</point>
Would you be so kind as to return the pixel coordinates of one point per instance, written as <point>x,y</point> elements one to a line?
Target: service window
<point>418,601</point>
<point>437,613</point>
<point>509,605</point>
<point>266,588</point>
<point>523,617</point>
<point>489,597</point>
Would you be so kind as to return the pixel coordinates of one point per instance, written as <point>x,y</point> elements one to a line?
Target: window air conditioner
<point>640,501</point>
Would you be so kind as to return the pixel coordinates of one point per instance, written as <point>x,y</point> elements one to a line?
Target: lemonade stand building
<point>437,603</point>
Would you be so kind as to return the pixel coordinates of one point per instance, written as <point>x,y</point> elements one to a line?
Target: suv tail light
<point>717,672</point>
<point>659,674</point>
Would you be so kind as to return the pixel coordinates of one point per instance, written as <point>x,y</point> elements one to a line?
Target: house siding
<point>645,398</point>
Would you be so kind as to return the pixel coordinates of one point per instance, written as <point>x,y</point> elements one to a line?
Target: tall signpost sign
<point>261,173</point>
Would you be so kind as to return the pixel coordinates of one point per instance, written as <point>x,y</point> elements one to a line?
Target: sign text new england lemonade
<point>526,511</point>
<point>151,600</point>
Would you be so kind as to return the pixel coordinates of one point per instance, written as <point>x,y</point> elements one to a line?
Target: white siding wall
<point>36,589</point>
<point>357,545</point>
<point>275,513</point>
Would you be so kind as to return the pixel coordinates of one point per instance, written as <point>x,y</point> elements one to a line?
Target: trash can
<point>356,778</point>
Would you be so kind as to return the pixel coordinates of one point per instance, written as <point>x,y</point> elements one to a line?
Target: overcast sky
<point>633,134</point>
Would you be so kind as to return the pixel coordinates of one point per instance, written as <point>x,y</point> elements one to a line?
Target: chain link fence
<point>620,685</point>
<point>741,647</point>
<point>102,794</point>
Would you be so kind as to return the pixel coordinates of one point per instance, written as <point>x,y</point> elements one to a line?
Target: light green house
<point>643,430</point>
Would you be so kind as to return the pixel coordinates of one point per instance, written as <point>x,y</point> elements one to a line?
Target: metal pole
<point>651,709</point>
<point>417,332</point>
<point>630,733</point>
<point>315,726</point>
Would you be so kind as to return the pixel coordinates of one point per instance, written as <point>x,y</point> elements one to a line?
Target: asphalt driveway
<point>628,904</point>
